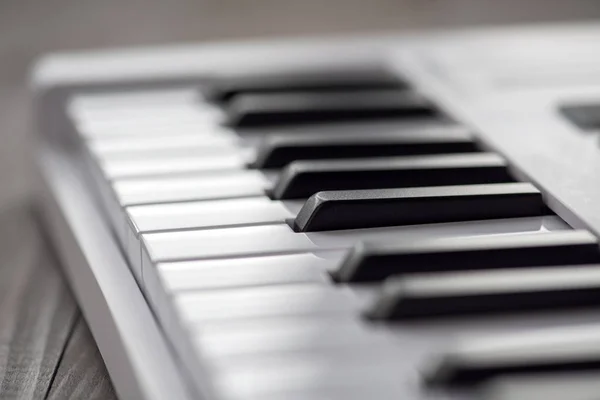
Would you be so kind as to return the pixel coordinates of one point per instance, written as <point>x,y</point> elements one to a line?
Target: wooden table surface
<point>46,349</point>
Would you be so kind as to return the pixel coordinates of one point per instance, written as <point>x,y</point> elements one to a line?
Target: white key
<point>227,242</point>
<point>381,391</point>
<point>314,373</point>
<point>243,183</point>
<point>251,337</point>
<point>150,110</point>
<point>189,161</point>
<point>244,272</point>
<point>166,280</point>
<point>146,116</point>
<point>213,140</point>
<point>136,98</point>
<point>210,214</point>
<point>280,238</point>
<point>113,126</point>
<point>197,215</point>
<point>142,131</point>
<point>269,301</point>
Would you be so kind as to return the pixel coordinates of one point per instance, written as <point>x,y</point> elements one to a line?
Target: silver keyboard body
<point>505,84</point>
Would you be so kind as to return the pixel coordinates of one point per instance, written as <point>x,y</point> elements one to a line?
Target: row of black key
<point>467,276</point>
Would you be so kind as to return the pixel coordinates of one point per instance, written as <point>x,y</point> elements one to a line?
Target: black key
<point>356,209</point>
<point>486,292</point>
<point>304,178</point>
<point>331,78</point>
<point>555,386</point>
<point>377,261</point>
<point>585,116</point>
<point>277,151</point>
<point>256,110</point>
<point>541,352</point>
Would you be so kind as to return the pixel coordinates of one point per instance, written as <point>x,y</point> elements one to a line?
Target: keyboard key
<point>135,167</point>
<point>555,386</point>
<point>323,79</point>
<point>143,130</point>
<point>100,124</point>
<point>305,178</point>
<point>284,334</point>
<point>584,116</point>
<point>208,214</point>
<point>354,370</point>
<point>244,272</point>
<point>551,350</point>
<point>279,238</point>
<point>81,103</point>
<point>389,391</point>
<point>486,292</point>
<point>127,145</point>
<point>241,183</point>
<point>253,302</point>
<point>377,261</point>
<point>254,110</point>
<point>356,209</point>
<point>277,151</point>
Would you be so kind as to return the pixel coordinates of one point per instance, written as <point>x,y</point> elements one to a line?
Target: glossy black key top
<point>486,292</point>
<point>356,209</point>
<point>377,261</point>
<point>277,151</point>
<point>256,110</point>
<point>585,116</point>
<point>304,178</point>
<point>369,76</point>
<point>547,351</point>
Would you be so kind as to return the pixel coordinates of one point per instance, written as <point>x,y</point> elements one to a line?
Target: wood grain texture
<point>38,316</point>
<point>81,373</point>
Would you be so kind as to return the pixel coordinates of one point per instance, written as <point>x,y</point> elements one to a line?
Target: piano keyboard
<point>331,234</point>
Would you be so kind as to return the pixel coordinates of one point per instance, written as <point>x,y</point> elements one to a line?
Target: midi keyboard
<point>385,217</point>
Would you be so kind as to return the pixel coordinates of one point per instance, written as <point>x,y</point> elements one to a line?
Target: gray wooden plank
<point>37,310</point>
<point>81,373</point>
<point>45,345</point>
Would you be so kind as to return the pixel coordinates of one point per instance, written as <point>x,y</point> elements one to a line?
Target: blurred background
<point>32,27</point>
